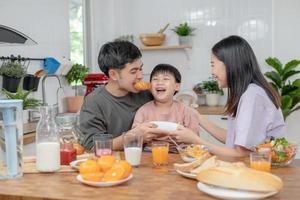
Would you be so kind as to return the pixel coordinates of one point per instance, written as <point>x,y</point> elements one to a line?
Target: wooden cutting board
<point>29,166</point>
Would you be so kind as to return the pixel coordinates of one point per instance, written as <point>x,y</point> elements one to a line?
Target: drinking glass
<point>103,144</point>
<point>133,144</point>
<point>160,151</point>
<point>260,161</point>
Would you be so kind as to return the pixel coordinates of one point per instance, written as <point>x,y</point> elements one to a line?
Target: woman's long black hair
<point>241,69</point>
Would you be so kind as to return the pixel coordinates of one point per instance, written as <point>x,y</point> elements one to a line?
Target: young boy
<point>111,108</point>
<point>165,80</point>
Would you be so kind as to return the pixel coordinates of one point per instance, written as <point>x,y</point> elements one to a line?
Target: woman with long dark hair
<point>253,106</point>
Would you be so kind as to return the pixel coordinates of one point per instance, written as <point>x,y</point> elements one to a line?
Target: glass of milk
<point>133,145</point>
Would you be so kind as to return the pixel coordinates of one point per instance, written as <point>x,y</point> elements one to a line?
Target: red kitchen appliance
<point>93,80</point>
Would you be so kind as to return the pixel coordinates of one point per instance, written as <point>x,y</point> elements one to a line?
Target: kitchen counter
<point>211,110</point>
<point>147,183</point>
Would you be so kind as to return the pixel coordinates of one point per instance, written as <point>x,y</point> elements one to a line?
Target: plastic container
<point>11,138</point>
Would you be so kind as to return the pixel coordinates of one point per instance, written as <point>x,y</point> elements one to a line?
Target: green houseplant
<point>212,92</point>
<point>184,31</point>
<point>12,73</point>
<point>28,102</point>
<point>75,77</point>
<point>288,90</point>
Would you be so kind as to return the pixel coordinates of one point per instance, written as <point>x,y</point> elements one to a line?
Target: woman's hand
<point>185,135</point>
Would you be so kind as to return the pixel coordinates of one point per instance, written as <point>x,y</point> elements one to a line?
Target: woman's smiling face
<point>219,71</point>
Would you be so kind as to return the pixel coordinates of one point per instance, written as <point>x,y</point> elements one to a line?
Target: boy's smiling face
<point>164,86</point>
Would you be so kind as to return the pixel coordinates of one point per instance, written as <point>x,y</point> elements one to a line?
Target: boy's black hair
<point>114,55</point>
<point>166,68</point>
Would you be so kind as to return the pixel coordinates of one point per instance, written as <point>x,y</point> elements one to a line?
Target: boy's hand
<point>149,131</point>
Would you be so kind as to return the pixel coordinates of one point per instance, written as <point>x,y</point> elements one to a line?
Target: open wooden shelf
<point>145,48</point>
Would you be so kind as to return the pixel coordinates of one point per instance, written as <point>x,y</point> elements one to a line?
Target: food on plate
<point>106,162</point>
<point>89,166</point>
<point>188,167</point>
<point>281,150</point>
<point>206,161</point>
<point>105,169</point>
<point>79,149</point>
<point>141,85</point>
<point>97,176</point>
<point>191,151</point>
<point>241,178</point>
<point>195,151</point>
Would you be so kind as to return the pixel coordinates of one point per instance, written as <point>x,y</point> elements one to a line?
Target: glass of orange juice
<point>160,152</point>
<point>260,161</point>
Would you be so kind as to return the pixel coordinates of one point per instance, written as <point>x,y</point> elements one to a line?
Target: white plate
<point>224,193</point>
<point>187,175</point>
<point>103,184</point>
<point>75,163</point>
<point>188,159</point>
<point>167,126</point>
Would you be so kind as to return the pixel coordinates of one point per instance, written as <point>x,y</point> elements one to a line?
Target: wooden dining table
<point>148,182</point>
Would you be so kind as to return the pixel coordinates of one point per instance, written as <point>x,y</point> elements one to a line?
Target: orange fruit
<point>97,176</point>
<point>142,85</point>
<point>114,174</point>
<point>79,148</point>
<point>125,165</point>
<point>106,162</point>
<point>89,166</point>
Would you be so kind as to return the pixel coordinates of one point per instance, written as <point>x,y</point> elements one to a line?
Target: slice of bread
<point>211,162</point>
<point>242,178</point>
<point>188,167</point>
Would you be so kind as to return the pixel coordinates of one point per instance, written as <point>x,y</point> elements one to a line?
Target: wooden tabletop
<point>147,183</point>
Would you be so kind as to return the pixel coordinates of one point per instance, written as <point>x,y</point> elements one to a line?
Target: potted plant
<point>184,31</point>
<point>12,73</point>
<point>212,92</point>
<point>28,102</point>
<point>75,77</point>
<point>200,94</point>
<point>288,91</point>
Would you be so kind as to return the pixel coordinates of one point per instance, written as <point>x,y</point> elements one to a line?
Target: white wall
<point>287,46</point>
<point>46,22</point>
<point>271,27</point>
<point>214,20</point>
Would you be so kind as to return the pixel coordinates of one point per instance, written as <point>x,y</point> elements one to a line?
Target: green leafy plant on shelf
<point>28,102</point>
<point>288,90</point>
<point>76,75</point>
<point>183,29</point>
<point>128,38</point>
<point>12,69</point>
<point>211,86</point>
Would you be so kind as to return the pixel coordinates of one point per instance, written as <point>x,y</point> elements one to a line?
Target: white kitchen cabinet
<point>221,121</point>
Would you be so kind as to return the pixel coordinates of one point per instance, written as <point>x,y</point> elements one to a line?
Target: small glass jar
<point>47,141</point>
<point>68,137</point>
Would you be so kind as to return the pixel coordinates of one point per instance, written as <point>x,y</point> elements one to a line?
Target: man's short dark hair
<point>114,55</point>
<point>166,68</point>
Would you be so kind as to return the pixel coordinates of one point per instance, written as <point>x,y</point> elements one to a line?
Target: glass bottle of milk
<point>47,141</point>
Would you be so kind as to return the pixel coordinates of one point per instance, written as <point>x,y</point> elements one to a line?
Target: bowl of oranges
<point>104,171</point>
